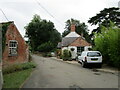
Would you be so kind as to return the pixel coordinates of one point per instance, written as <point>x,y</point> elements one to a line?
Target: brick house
<point>15,48</point>
<point>74,42</point>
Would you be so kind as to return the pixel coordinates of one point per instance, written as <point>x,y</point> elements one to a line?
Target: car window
<point>93,54</point>
<point>83,54</point>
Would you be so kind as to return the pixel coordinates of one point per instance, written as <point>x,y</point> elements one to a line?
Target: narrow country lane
<point>51,73</point>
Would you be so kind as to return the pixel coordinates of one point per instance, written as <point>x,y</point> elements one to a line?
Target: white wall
<point>86,48</point>
<point>74,53</point>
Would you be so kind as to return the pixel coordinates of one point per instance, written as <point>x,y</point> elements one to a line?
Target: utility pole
<point>1,77</point>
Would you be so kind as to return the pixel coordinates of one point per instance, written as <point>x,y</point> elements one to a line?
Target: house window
<point>80,49</point>
<point>13,47</point>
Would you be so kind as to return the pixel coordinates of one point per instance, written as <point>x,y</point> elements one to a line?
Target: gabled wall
<point>80,42</point>
<point>22,51</point>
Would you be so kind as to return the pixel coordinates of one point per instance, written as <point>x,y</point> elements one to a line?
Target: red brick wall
<point>80,42</point>
<point>22,54</point>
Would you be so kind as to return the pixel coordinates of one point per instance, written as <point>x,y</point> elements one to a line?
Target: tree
<point>81,28</point>
<point>107,43</point>
<point>104,18</point>
<point>41,31</point>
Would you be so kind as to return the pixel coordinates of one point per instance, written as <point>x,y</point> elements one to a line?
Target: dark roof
<point>68,40</point>
<point>59,45</point>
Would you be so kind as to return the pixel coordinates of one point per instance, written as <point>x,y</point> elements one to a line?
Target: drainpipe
<point>1,76</point>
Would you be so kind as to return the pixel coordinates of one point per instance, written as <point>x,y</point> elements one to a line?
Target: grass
<point>16,74</point>
<point>18,67</point>
<point>15,80</point>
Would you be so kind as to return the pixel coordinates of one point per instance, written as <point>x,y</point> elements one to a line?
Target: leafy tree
<point>45,47</point>
<point>81,28</point>
<point>41,31</point>
<point>107,43</point>
<point>104,18</point>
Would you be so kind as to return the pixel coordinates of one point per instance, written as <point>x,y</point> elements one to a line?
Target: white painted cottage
<point>74,42</point>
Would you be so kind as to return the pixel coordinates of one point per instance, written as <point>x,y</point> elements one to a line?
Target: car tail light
<point>85,59</point>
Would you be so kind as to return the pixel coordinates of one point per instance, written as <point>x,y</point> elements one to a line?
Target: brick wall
<point>22,50</point>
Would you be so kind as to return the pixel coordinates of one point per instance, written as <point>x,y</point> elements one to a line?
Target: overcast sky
<point>59,11</point>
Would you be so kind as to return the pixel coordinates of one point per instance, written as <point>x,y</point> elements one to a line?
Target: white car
<point>90,57</point>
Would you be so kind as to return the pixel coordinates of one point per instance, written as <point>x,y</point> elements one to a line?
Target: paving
<point>54,73</point>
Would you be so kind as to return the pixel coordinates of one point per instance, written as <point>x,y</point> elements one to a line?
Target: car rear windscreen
<point>93,54</point>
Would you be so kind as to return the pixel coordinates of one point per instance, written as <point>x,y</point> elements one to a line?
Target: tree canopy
<point>81,28</point>
<point>104,18</point>
<point>40,32</point>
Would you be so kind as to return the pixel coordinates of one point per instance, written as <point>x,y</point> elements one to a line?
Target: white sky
<point>22,11</point>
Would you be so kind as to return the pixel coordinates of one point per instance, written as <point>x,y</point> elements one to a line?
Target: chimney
<point>73,28</point>
<point>81,34</point>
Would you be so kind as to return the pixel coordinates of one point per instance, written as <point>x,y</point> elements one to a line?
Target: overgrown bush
<point>46,54</point>
<point>46,47</point>
<point>18,67</point>
<point>59,53</point>
<point>49,55</point>
<point>107,42</point>
<point>66,55</point>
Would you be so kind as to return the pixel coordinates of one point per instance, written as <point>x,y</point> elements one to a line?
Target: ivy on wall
<point>4,27</point>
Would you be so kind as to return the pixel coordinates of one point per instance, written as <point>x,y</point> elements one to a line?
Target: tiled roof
<point>68,40</point>
<point>59,45</point>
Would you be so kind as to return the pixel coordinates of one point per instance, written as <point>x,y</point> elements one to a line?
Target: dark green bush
<point>46,47</point>
<point>49,55</point>
<point>66,55</point>
<point>44,54</point>
<point>18,67</point>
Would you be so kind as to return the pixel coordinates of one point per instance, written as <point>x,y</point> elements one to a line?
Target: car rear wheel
<point>100,65</point>
<point>83,64</point>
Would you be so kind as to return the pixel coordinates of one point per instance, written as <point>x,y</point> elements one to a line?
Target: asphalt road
<point>51,73</point>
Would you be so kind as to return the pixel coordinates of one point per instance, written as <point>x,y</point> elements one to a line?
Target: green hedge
<point>18,67</point>
<point>107,42</point>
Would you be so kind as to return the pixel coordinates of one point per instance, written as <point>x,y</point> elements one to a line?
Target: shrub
<point>18,67</point>
<point>44,54</point>
<point>107,43</point>
<point>46,47</point>
<point>49,55</point>
<point>59,53</point>
<point>66,55</point>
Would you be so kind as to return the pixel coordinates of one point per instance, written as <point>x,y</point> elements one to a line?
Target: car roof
<point>90,51</point>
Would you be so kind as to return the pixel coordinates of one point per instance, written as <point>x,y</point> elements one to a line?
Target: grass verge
<point>15,80</point>
<point>15,75</point>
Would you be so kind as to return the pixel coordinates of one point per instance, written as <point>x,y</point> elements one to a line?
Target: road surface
<point>51,73</point>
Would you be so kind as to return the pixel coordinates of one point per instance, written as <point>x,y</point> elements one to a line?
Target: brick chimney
<point>73,28</point>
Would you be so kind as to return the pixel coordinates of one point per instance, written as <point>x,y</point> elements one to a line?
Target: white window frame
<point>13,47</point>
<point>80,49</point>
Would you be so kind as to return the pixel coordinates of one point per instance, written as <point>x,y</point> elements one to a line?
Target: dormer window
<point>13,44</point>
